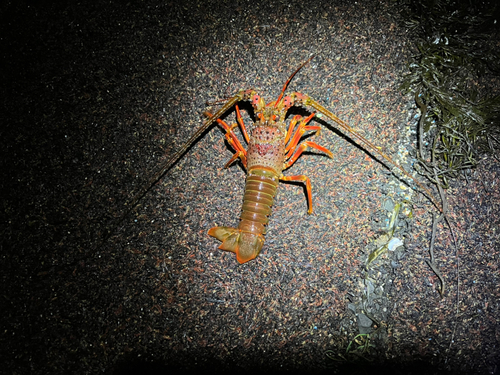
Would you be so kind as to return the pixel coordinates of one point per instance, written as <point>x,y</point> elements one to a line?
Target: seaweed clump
<point>452,76</point>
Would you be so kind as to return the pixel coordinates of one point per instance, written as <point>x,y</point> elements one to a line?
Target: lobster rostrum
<point>272,147</point>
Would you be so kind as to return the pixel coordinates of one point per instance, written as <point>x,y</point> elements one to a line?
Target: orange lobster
<point>272,148</point>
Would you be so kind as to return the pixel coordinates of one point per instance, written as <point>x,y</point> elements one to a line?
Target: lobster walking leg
<point>299,132</point>
<point>242,124</point>
<point>305,179</point>
<point>235,143</point>
<point>304,146</point>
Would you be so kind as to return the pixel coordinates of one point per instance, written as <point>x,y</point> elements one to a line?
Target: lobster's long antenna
<point>130,204</point>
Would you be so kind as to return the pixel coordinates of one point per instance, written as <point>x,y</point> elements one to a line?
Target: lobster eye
<point>255,99</point>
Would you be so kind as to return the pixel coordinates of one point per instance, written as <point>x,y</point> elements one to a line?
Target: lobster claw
<point>245,245</point>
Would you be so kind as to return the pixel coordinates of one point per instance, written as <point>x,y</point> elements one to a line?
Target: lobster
<point>272,148</point>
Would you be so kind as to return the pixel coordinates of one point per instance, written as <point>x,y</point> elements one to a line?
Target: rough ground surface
<point>96,95</point>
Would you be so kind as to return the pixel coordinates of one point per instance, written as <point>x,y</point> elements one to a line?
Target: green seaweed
<point>460,119</point>
<point>383,241</point>
<point>359,348</point>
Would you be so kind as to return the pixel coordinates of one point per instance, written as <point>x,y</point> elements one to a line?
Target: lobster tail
<point>245,245</point>
<point>247,240</point>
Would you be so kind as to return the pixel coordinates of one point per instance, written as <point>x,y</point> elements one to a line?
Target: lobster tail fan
<point>229,237</point>
<point>245,245</point>
<point>223,233</point>
<point>250,245</point>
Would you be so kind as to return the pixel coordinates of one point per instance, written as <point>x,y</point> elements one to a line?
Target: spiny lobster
<point>272,148</point>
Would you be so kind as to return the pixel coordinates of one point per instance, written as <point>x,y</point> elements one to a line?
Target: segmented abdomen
<point>260,189</point>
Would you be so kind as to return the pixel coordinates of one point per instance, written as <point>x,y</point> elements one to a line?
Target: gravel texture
<point>97,95</point>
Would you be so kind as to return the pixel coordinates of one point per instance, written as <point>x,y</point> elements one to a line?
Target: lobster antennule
<point>245,245</point>
<point>288,81</point>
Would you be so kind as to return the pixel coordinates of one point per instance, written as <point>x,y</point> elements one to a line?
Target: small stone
<point>351,307</point>
<point>394,244</point>
<point>389,205</point>
<point>364,321</point>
